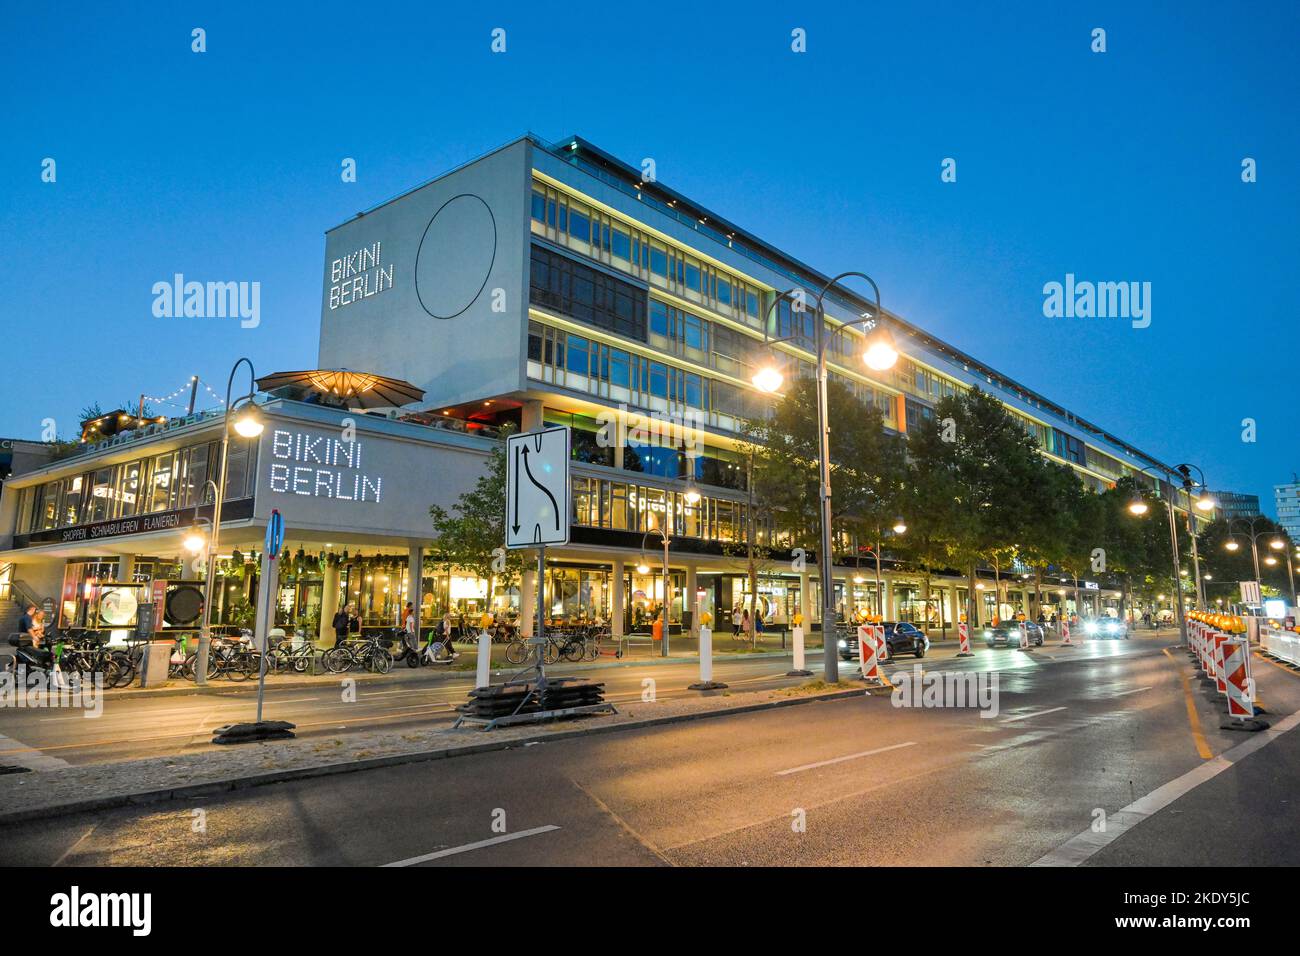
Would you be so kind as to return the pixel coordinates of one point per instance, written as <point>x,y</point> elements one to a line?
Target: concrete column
<point>531,415</point>
<point>887,598</point>
<point>329,604</point>
<point>616,599</point>
<point>954,607</point>
<point>125,568</point>
<point>415,586</point>
<point>688,600</point>
<point>527,600</point>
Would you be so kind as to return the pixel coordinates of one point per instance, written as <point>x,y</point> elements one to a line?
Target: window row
<point>620,506</point>
<point>614,242</point>
<point>166,482</point>
<point>587,295</point>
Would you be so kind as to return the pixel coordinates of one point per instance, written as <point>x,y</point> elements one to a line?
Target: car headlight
<point>844,644</point>
<point>988,633</point>
<point>1090,628</point>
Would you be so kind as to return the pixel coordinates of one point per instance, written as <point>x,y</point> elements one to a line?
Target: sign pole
<point>262,632</point>
<point>541,620</point>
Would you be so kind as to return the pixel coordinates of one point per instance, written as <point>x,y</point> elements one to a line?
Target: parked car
<point>901,637</point>
<point>1109,627</point>
<point>1007,634</point>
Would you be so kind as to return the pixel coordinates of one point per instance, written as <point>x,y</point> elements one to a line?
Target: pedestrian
<point>1041,619</point>
<point>736,620</point>
<point>25,622</point>
<point>446,636</point>
<point>758,621</point>
<point>341,624</point>
<point>409,625</point>
<point>744,622</point>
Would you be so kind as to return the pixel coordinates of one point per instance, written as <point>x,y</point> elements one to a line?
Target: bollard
<point>1024,638</point>
<point>484,675</point>
<point>963,637</point>
<point>706,681</point>
<point>1065,634</point>
<point>800,670</point>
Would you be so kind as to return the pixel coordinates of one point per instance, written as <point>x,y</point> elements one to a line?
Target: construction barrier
<point>1283,645</point>
<point>1065,634</point>
<point>1240,690</point>
<point>882,645</point>
<point>963,636</point>
<point>867,653</point>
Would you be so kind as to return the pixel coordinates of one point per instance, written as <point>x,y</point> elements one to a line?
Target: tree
<point>1228,568</point>
<point>472,535</point>
<point>868,465</point>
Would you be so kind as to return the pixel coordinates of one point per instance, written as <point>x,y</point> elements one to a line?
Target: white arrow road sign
<point>537,488</point>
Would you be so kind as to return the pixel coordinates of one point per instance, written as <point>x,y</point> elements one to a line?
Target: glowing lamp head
<point>1277,544</point>
<point>248,424</point>
<point>900,526</point>
<point>880,352</point>
<point>691,495</point>
<point>1205,503</point>
<point>768,379</point>
<point>1232,546</point>
<point>1137,506</point>
<point>643,568</point>
<point>194,543</point>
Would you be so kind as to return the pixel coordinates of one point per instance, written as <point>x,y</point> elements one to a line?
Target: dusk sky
<point>1117,166</point>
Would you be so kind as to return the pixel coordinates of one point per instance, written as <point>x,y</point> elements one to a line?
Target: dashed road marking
<point>827,763</point>
<point>1037,713</point>
<point>452,851</point>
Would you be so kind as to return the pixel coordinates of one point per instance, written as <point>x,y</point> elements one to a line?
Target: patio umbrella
<point>357,389</point>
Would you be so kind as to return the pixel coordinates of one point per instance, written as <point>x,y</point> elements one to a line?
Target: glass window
<point>692,277</point>
<point>579,226</point>
<point>622,244</point>
<point>723,294</point>
<point>619,372</point>
<point>539,206</point>
<point>578,361</point>
<point>659,260</point>
<point>658,379</point>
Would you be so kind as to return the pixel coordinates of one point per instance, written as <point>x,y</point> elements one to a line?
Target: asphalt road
<point>1079,733</point>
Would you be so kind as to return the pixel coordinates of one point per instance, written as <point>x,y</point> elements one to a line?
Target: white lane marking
<point>827,763</point>
<point>1078,849</point>
<point>452,851</point>
<point>1037,713</point>
<point>30,757</point>
<point>1135,690</point>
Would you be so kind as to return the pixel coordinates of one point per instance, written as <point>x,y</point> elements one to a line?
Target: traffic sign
<point>537,488</point>
<point>1250,592</point>
<point>274,534</point>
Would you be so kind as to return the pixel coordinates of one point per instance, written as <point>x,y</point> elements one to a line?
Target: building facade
<point>1232,504</point>
<point>1286,498</point>
<point>539,284</point>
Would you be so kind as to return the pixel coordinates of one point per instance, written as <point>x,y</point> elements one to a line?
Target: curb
<point>230,784</point>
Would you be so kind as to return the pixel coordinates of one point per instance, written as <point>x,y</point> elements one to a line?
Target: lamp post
<point>1277,544</point>
<point>880,354</point>
<point>248,425</point>
<point>900,527</point>
<point>1139,507</point>
<point>663,648</point>
<point>1203,502</point>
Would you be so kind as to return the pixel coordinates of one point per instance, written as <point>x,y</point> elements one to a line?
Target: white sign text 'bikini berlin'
<point>318,466</point>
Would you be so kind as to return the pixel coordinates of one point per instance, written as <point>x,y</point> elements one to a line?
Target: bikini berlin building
<point>539,284</point>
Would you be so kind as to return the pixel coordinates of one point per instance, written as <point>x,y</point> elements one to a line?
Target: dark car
<point>1007,634</point>
<point>901,637</point>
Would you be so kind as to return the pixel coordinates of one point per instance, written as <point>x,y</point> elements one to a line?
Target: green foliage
<point>475,527</point>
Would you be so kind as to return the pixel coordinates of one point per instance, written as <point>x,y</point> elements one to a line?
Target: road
<point>1079,733</point>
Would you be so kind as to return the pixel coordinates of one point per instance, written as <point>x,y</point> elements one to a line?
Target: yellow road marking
<point>1198,735</point>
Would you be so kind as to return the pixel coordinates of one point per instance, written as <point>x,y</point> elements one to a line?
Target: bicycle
<point>368,652</point>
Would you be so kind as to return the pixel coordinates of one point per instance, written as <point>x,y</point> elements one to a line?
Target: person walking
<point>410,627</point>
<point>744,622</point>
<point>736,620</point>
<point>342,623</point>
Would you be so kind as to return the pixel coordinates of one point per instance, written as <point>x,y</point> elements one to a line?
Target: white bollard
<point>484,676</point>
<point>798,648</point>
<point>706,681</point>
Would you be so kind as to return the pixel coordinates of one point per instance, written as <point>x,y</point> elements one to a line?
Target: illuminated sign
<point>320,466</point>
<point>359,275</point>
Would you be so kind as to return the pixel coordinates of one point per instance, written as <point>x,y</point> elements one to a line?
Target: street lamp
<point>247,424</point>
<point>1253,537</point>
<point>1203,502</point>
<point>879,353</point>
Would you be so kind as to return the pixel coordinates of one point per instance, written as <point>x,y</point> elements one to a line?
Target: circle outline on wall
<point>491,264</point>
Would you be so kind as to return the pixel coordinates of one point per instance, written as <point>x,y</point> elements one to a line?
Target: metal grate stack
<point>492,703</point>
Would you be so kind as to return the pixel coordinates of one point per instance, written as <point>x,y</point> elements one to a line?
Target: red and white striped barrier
<point>868,655</point>
<point>1236,655</point>
<point>1216,659</point>
<point>1065,634</point>
<point>963,636</point>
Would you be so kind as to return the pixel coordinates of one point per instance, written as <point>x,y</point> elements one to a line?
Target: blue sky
<point>1122,166</point>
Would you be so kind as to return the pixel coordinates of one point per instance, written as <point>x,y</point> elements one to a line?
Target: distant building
<point>1230,504</point>
<point>1287,499</point>
<point>18,456</point>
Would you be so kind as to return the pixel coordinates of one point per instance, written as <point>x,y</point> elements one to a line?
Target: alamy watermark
<point>1102,300</point>
<point>977,689</point>
<point>622,428</point>
<point>208,300</point>
<point>46,689</point>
